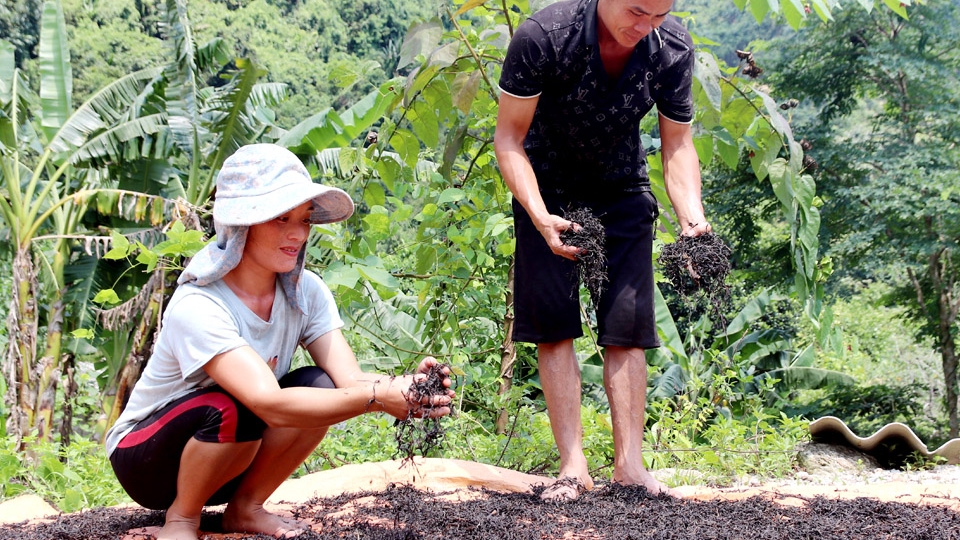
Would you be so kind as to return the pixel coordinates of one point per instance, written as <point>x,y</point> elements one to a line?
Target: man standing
<point>578,78</point>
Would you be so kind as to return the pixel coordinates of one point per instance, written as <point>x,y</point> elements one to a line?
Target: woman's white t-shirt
<point>202,322</point>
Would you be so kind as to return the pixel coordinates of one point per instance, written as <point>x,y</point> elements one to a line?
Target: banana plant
<point>47,191</point>
<point>139,132</point>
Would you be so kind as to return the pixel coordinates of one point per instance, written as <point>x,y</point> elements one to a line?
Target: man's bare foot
<point>258,520</point>
<point>645,479</point>
<point>567,487</point>
<point>179,528</point>
<point>563,489</point>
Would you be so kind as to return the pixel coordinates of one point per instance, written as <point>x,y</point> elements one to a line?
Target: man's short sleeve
<point>675,95</point>
<point>528,57</point>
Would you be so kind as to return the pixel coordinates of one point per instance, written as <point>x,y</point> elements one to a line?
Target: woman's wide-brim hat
<point>262,181</point>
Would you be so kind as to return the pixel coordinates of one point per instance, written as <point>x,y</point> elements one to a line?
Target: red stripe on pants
<point>228,419</point>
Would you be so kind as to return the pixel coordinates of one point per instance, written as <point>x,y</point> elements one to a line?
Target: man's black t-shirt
<point>585,133</point>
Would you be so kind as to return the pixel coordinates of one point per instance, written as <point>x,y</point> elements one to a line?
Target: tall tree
<point>887,140</point>
<point>108,39</point>
<point>20,26</point>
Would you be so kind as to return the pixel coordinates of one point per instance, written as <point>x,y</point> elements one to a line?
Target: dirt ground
<point>402,512</point>
<point>435,498</point>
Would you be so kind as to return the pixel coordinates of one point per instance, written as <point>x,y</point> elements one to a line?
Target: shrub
<point>70,478</point>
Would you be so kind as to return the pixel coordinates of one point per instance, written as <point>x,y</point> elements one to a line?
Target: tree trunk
<point>948,356</point>
<point>48,372</point>
<point>143,338</point>
<point>22,328</point>
<point>508,356</point>
<point>125,382</point>
<point>947,307</point>
<point>69,398</point>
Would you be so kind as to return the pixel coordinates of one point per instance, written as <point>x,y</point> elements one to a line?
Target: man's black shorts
<point>546,297</point>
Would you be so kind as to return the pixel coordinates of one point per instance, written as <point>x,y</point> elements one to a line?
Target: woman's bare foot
<point>179,528</point>
<point>258,520</point>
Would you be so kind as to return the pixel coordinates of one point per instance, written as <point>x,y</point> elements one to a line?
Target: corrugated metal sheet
<point>893,445</point>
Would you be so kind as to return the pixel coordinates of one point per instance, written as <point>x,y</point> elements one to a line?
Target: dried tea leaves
<point>697,263</point>
<point>420,436</point>
<point>592,260</point>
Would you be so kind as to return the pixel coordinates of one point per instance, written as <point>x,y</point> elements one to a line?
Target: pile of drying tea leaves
<point>402,512</point>
<point>418,435</point>
<point>592,259</point>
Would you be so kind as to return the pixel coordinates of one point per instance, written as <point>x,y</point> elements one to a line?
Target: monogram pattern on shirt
<point>585,120</point>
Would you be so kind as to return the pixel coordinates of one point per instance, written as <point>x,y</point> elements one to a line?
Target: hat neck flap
<point>221,256</point>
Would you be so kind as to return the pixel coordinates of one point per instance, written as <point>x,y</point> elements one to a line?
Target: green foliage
<point>70,478</point>
<point>727,29</point>
<point>367,438</point>
<point>20,25</point>
<point>305,45</point>
<point>83,405</point>
<point>889,90</point>
<point>747,350</point>
<point>108,42</point>
<point>180,244</point>
<point>758,234</point>
<point>375,28</point>
<point>41,136</point>
<point>423,266</point>
<point>681,437</point>
<point>878,340</point>
<point>696,431</point>
<point>889,163</point>
<point>897,377</point>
